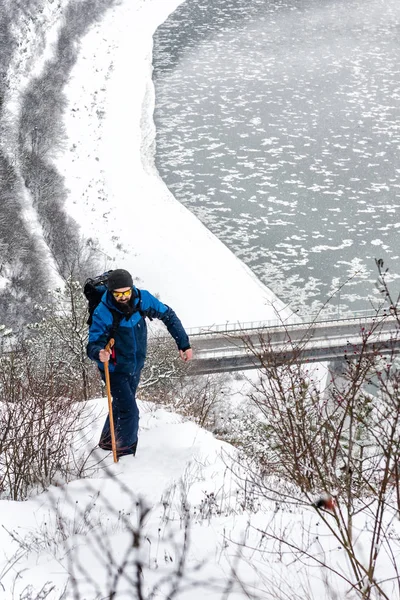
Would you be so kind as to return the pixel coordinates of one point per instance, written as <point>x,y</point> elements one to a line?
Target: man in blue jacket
<point>130,306</point>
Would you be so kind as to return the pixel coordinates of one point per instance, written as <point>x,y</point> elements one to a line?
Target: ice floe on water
<point>287,116</point>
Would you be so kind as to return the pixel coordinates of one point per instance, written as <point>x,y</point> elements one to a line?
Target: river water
<point>278,126</point>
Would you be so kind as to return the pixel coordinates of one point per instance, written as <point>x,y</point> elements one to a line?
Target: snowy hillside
<point>180,520</point>
<point>118,198</point>
<point>187,518</point>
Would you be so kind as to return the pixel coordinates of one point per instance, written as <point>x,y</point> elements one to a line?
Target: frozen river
<point>278,125</point>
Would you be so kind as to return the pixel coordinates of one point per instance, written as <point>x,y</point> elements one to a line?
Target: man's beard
<point>126,306</point>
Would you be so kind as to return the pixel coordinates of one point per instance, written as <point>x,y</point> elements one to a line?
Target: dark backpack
<point>94,289</point>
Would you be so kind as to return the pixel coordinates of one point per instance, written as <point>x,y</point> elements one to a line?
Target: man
<point>130,306</point>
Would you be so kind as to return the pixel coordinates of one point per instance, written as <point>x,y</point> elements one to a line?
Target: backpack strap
<point>140,310</point>
<point>117,318</point>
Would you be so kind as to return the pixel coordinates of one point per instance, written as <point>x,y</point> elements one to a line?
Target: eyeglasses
<point>122,294</point>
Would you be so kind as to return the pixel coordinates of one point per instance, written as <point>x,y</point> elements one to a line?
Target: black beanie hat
<point>119,279</point>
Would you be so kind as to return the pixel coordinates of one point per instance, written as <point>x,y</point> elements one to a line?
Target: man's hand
<point>186,355</point>
<point>104,355</point>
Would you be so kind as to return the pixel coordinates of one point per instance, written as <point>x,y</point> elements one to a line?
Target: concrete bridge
<point>227,348</point>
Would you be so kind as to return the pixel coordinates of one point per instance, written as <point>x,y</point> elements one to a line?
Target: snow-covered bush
<point>44,372</point>
<point>60,339</point>
<point>163,368</point>
<point>334,447</point>
<point>167,380</point>
<point>38,425</point>
<point>202,399</point>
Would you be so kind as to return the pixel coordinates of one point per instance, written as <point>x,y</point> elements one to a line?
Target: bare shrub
<point>163,368</point>
<point>43,375</point>
<point>61,336</point>
<point>335,448</point>
<point>167,380</point>
<point>388,296</point>
<point>38,424</point>
<point>202,399</point>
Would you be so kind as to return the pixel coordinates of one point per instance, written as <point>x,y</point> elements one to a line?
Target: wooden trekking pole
<point>110,412</point>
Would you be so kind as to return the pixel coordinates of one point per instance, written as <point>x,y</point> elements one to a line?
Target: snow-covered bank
<point>116,194</point>
<point>86,539</point>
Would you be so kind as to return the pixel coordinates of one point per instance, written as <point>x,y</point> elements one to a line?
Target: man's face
<point>122,295</point>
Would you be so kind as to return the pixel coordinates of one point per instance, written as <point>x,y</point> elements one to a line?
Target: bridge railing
<point>292,322</point>
<point>230,327</point>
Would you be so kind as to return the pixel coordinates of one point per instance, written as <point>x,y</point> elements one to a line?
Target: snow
<point>116,194</point>
<point>184,477</point>
<point>118,199</point>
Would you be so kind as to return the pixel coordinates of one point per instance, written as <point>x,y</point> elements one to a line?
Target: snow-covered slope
<point>208,531</point>
<point>116,194</point>
<point>83,530</point>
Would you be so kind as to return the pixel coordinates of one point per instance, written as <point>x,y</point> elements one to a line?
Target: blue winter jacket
<point>131,335</point>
